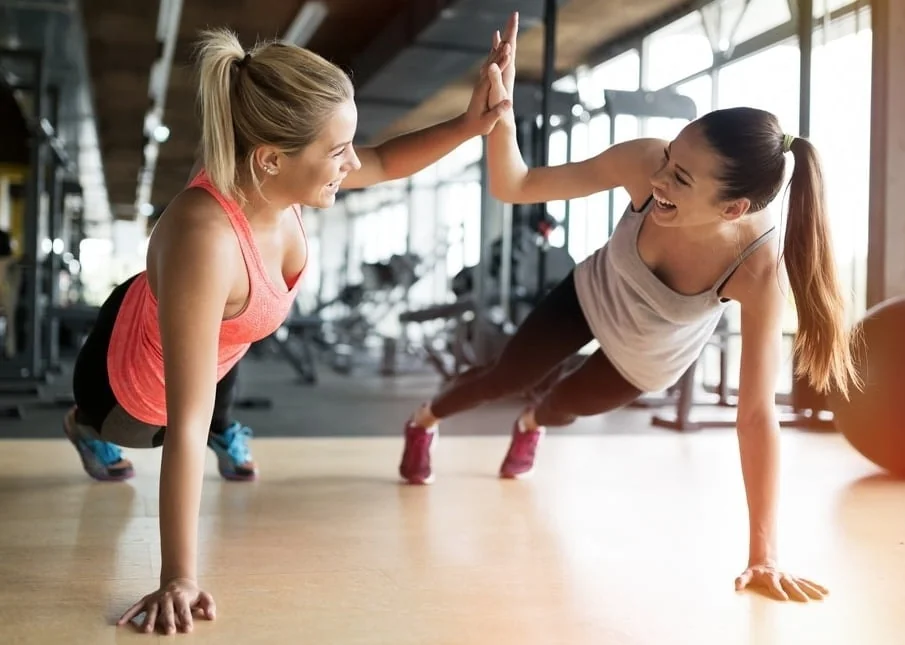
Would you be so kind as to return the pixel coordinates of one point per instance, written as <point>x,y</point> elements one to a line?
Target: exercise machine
<point>803,407</point>
<point>35,326</point>
<point>517,264</point>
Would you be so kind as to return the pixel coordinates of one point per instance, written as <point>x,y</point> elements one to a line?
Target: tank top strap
<point>298,215</point>
<point>233,212</point>
<point>762,239</point>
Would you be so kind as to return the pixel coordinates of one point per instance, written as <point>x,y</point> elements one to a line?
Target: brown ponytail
<point>823,348</point>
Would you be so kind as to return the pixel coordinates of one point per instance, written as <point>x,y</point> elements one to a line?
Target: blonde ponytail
<point>219,55</point>
<point>276,94</point>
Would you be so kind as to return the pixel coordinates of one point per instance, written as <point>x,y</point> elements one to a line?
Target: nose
<point>657,179</point>
<point>353,163</point>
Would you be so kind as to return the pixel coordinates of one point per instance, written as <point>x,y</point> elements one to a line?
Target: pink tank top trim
<point>135,355</point>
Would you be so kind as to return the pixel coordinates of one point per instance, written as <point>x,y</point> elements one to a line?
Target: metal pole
<point>492,216</point>
<point>35,191</point>
<point>805,43</point>
<point>54,264</point>
<point>567,215</point>
<point>549,72</point>
<point>611,215</point>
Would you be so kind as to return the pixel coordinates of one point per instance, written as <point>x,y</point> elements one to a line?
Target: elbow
<point>757,420</point>
<point>508,190</point>
<point>499,190</point>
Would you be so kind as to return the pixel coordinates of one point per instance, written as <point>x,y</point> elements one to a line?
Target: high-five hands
<point>490,100</point>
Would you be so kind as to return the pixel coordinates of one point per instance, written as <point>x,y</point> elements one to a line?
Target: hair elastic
<point>787,140</point>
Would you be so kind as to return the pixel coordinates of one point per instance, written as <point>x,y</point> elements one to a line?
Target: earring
<point>271,170</point>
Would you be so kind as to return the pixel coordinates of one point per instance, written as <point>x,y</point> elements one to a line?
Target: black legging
<point>91,383</point>
<point>554,331</point>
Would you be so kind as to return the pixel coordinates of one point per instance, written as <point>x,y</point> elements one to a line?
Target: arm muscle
<point>193,284</point>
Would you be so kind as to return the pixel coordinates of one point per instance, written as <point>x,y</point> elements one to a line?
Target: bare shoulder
<point>760,281</point>
<point>640,158</point>
<point>193,234</point>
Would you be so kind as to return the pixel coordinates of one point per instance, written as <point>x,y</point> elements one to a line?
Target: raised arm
<point>407,154</point>
<point>628,164</point>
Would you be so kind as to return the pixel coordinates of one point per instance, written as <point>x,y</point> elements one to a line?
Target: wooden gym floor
<point>619,539</point>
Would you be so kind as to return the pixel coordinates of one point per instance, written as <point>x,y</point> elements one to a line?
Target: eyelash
<point>678,179</point>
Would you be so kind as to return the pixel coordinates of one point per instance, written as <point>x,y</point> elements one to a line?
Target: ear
<point>267,158</point>
<point>736,208</point>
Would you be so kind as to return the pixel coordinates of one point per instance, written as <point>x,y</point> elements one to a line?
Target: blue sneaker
<point>234,460</point>
<point>102,460</point>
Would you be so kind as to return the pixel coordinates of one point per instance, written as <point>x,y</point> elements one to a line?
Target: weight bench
<point>449,312</point>
<point>681,396</point>
<point>11,412</point>
<point>446,311</point>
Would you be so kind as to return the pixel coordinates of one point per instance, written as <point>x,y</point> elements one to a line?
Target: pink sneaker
<point>519,461</point>
<point>415,467</point>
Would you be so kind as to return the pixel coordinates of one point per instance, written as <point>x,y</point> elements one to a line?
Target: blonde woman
<point>223,266</point>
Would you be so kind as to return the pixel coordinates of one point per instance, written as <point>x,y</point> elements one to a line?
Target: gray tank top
<point>649,332</point>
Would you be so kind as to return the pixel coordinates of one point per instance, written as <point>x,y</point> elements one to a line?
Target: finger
<point>496,92</point>
<point>504,59</point>
<point>494,76</point>
<point>207,605</point>
<point>150,618</point>
<point>792,589</point>
<point>813,584</point>
<point>184,619</point>
<point>498,110</point>
<point>496,39</point>
<point>811,589</point>
<point>511,29</point>
<point>774,586</point>
<point>743,580</point>
<point>498,54</point>
<point>167,616</point>
<point>494,56</point>
<point>131,612</point>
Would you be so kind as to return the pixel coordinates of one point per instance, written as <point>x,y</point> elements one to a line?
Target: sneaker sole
<point>224,467</point>
<point>525,475</point>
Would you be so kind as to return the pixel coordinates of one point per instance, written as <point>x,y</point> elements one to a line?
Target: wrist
<point>175,574</point>
<point>504,128</point>
<point>761,554</point>
<point>465,127</point>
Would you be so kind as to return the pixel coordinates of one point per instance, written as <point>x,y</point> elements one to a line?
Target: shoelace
<point>108,453</point>
<point>236,438</point>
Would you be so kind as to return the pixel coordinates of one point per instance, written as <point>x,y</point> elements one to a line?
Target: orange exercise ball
<point>873,419</point>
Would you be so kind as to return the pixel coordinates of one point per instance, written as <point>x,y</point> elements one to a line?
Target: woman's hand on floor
<point>775,584</point>
<point>172,608</point>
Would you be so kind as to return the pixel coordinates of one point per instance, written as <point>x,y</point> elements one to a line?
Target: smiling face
<point>686,189</point>
<point>313,175</point>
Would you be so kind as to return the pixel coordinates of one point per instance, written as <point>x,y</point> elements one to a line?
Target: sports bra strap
<point>751,248</point>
